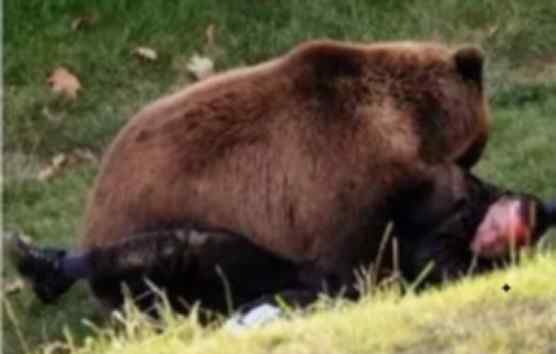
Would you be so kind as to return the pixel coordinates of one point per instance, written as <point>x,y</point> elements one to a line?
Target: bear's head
<point>443,90</point>
<point>439,89</point>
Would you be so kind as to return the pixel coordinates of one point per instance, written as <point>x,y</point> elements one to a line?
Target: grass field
<point>468,317</point>
<point>517,36</point>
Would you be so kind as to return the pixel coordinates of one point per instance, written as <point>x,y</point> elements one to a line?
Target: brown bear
<point>306,154</point>
<point>458,223</point>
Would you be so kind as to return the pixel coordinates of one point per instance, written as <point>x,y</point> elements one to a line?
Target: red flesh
<point>503,228</point>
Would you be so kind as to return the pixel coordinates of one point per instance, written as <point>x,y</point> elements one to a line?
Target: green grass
<point>518,37</point>
<point>472,316</point>
<point>39,37</point>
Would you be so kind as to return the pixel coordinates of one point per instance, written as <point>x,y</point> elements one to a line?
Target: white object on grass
<point>256,317</point>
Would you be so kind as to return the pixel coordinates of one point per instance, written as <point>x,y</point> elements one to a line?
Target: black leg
<point>41,266</point>
<point>222,271</point>
<point>219,270</point>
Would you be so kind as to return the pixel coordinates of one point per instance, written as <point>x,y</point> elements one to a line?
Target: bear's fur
<point>306,153</point>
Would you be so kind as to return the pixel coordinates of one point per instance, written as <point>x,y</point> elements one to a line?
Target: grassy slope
<point>517,35</point>
<point>483,319</point>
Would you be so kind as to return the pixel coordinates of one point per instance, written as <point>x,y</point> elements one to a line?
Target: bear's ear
<point>469,64</point>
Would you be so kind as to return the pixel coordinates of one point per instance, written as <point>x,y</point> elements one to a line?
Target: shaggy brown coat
<point>304,154</point>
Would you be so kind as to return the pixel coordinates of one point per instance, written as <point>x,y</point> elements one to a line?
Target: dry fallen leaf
<point>200,67</point>
<point>491,30</point>
<point>59,160</point>
<point>56,347</point>
<point>45,173</point>
<point>145,53</point>
<point>83,21</point>
<point>13,286</point>
<point>79,155</point>
<point>53,168</point>
<point>63,81</point>
<point>51,116</point>
<point>62,161</point>
<point>209,33</point>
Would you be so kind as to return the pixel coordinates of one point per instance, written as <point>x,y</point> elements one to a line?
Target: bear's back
<point>293,153</point>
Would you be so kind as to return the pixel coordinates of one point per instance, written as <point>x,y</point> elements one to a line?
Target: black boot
<point>42,267</point>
